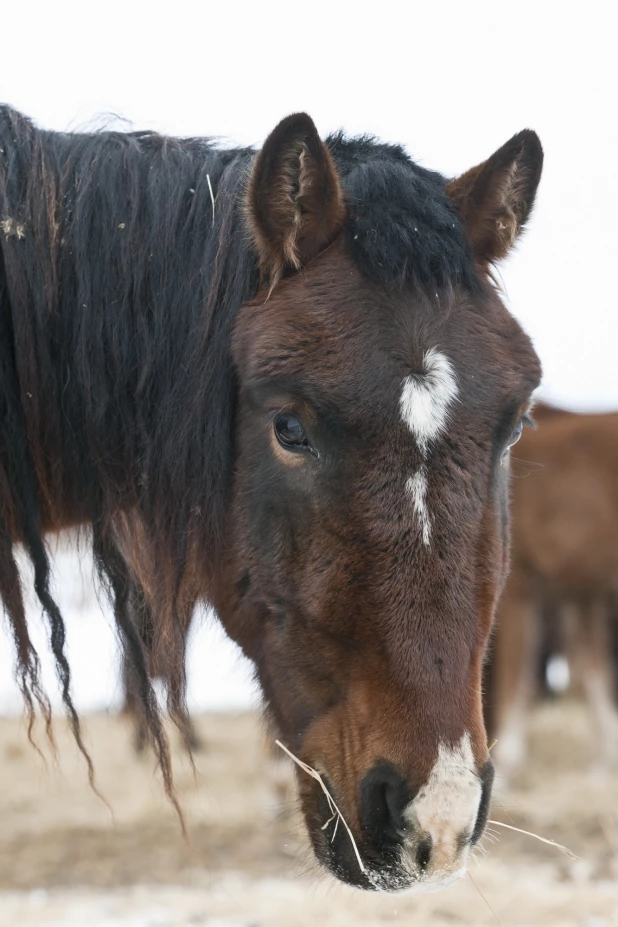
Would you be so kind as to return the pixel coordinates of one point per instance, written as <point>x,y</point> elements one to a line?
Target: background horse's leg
<point>515,652</point>
<point>593,668</point>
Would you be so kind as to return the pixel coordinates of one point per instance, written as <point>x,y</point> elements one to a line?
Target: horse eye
<point>515,435</point>
<point>290,433</point>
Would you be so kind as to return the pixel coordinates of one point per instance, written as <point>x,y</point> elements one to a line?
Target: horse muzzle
<point>405,841</point>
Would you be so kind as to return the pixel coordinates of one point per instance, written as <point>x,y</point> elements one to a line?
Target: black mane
<point>122,286</point>
<point>124,258</point>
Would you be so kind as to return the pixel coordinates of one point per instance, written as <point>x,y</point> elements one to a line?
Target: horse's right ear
<point>494,200</point>
<point>294,198</point>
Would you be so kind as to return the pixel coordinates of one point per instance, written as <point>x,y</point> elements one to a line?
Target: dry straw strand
<point>484,898</point>
<point>331,802</point>
<point>212,198</point>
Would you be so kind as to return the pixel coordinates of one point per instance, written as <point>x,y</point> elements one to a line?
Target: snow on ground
<point>219,677</point>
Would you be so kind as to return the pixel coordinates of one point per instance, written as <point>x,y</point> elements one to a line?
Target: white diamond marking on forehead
<point>426,398</point>
<point>417,487</point>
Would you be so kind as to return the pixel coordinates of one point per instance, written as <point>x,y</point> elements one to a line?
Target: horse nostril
<point>383,796</point>
<point>486,776</point>
<point>423,852</point>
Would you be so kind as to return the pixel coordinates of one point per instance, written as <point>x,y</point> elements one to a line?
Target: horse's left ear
<point>294,198</point>
<point>495,199</point>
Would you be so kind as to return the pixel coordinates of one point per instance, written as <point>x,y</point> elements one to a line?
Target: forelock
<point>402,228</point>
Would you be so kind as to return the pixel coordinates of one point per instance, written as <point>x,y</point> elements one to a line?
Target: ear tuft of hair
<point>494,200</point>
<point>294,200</point>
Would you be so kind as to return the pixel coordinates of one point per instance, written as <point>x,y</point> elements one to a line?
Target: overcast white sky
<point>451,80</point>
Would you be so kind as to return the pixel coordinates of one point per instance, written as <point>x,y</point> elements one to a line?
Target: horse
<point>563,579</point>
<point>159,667</point>
<point>285,383</point>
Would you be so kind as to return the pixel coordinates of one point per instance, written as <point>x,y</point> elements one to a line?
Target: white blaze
<point>424,404</point>
<point>417,487</point>
<point>425,398</point>
<point>445,808</point>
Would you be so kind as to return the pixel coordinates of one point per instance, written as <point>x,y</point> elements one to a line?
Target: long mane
<point>124,258</point>
<point>123,261</point>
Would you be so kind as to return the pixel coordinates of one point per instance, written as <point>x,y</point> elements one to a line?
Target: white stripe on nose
<point>443,814</point>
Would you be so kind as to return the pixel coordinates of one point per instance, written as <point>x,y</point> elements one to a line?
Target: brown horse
<point>564,574</point>
<point>284,383</point>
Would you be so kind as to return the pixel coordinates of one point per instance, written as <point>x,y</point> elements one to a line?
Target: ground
<point>67,861</point>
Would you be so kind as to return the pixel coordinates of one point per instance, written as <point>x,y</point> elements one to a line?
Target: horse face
<point>369,518</point>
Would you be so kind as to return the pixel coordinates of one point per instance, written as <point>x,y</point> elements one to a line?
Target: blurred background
<point>452,81</point>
